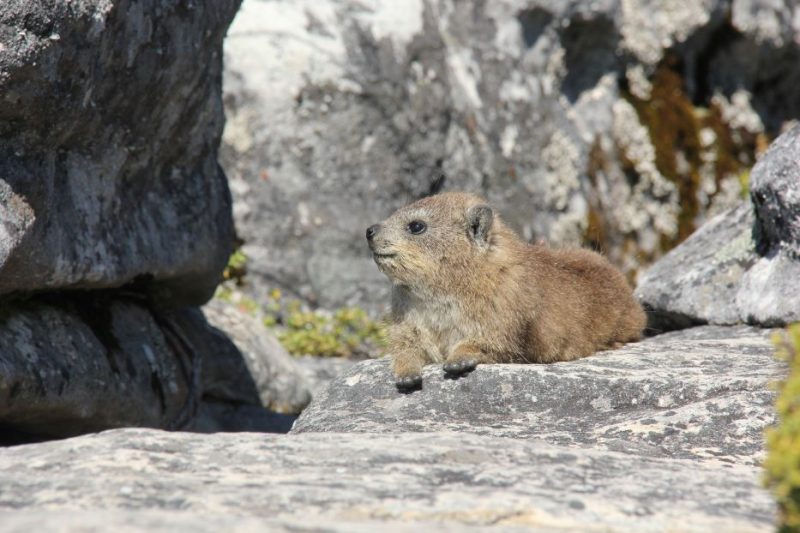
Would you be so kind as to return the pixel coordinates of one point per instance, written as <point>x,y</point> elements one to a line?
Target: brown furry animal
<point>467,290</point>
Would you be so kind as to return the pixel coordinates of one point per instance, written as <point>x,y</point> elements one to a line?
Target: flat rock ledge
<point>139,479</point>
<point>702,393</point>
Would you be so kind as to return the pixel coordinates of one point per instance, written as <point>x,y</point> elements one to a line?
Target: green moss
<point>782,464</point>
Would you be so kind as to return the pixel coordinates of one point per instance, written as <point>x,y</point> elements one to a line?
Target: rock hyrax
<point>467,290</point>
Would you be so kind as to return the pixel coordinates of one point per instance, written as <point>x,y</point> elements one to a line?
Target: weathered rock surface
<point>698,393</point>
<point>320,371</point>
<point>254,359</point>
<point>541,106</point>
<point>75,365</point>
<point>744,265</point>
<point>367,482</point>
<point>110,120</point>
<point>91,361</point>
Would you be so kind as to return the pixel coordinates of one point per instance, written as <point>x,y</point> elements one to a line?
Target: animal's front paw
<point>408,383</point>
<point>461,365</point>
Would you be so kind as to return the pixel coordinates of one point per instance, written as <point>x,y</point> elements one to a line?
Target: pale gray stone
<point>699,393</point>
<point>339,112</point>
<point>742,266</point>
<point>698,281</point>
<point>255,358</point>
<point>320,371</point>
<point>146,479</point>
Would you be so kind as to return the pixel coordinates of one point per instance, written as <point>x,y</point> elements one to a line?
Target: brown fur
<point>468,290</point>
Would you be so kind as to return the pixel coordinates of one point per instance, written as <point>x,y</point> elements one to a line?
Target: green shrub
<point>783,441</point>
<point>345,333</point>
<point>237,267</point>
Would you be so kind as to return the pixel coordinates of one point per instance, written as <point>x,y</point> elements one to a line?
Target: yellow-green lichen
<point>782,464</point>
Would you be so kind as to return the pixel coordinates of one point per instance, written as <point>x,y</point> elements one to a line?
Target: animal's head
<point>434,242</point>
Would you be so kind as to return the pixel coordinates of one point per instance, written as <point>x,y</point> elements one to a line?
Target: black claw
<point>460,367</point>
<point>409,383</point>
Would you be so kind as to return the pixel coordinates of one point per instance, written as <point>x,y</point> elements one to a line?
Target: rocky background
<point>660,133</point>
<point>622,125</point>
<point>115,219</point>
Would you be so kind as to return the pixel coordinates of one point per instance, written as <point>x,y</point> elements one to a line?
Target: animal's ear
<point>480,218</point>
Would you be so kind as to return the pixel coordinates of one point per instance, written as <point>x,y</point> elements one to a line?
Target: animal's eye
<point>415,227</point>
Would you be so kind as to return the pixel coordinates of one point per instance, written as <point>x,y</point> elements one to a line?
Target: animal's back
<point>584,305</point>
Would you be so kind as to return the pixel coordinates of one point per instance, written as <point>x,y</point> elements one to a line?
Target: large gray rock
<point>698,393</point>
<point>147,480</point>
<point>110,119</point>
<point>254,359</point>
<point>340,111</point>
<point>79,364</point>
<point>83,362</point>
<point>742,266</point>
<point>248,380</point>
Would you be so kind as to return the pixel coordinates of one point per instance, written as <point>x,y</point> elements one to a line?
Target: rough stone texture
<point>320,371</point>
<point>110,120</point>
<point>775,191</point>
<point>349,482</point>
<point>257,360</point>
<point>83,364</point>
<point>698,393</point>
<point>698,281</point>
<point>526,102</point>
<point>742,266</point>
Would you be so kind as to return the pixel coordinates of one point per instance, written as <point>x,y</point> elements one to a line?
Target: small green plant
<point>782,464</point>
<point>237,267</point>
<point>744,183</point>
<point>345,333</point>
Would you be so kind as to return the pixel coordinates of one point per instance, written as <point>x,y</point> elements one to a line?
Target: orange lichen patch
<point>674,128</point>
<point>675,123</point>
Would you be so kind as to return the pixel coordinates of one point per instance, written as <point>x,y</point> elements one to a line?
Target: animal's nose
<point>372,230</point>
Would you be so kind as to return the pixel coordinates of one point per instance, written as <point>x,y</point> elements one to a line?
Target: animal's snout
<point>372,230</point>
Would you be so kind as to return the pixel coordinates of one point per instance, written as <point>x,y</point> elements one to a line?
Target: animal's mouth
<point>377,255</point>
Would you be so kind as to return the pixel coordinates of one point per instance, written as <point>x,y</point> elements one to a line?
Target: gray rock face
<point>698,393</point>
<point>742,266</point>
<point>775,191</point>
<point>146,479</point>
<point>110,119</point>
<point>698,281</point>
<point>526,102</point>
<point>257,359</point>
<point>78,365</point>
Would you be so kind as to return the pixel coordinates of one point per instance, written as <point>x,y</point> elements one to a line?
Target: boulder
<point>742,266</point>
<point>151,480</point>
<point>110,120</point>
<point>242,357</point>
<point>80,364</point>
<point>701,393</point>
<point>618,125</point>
